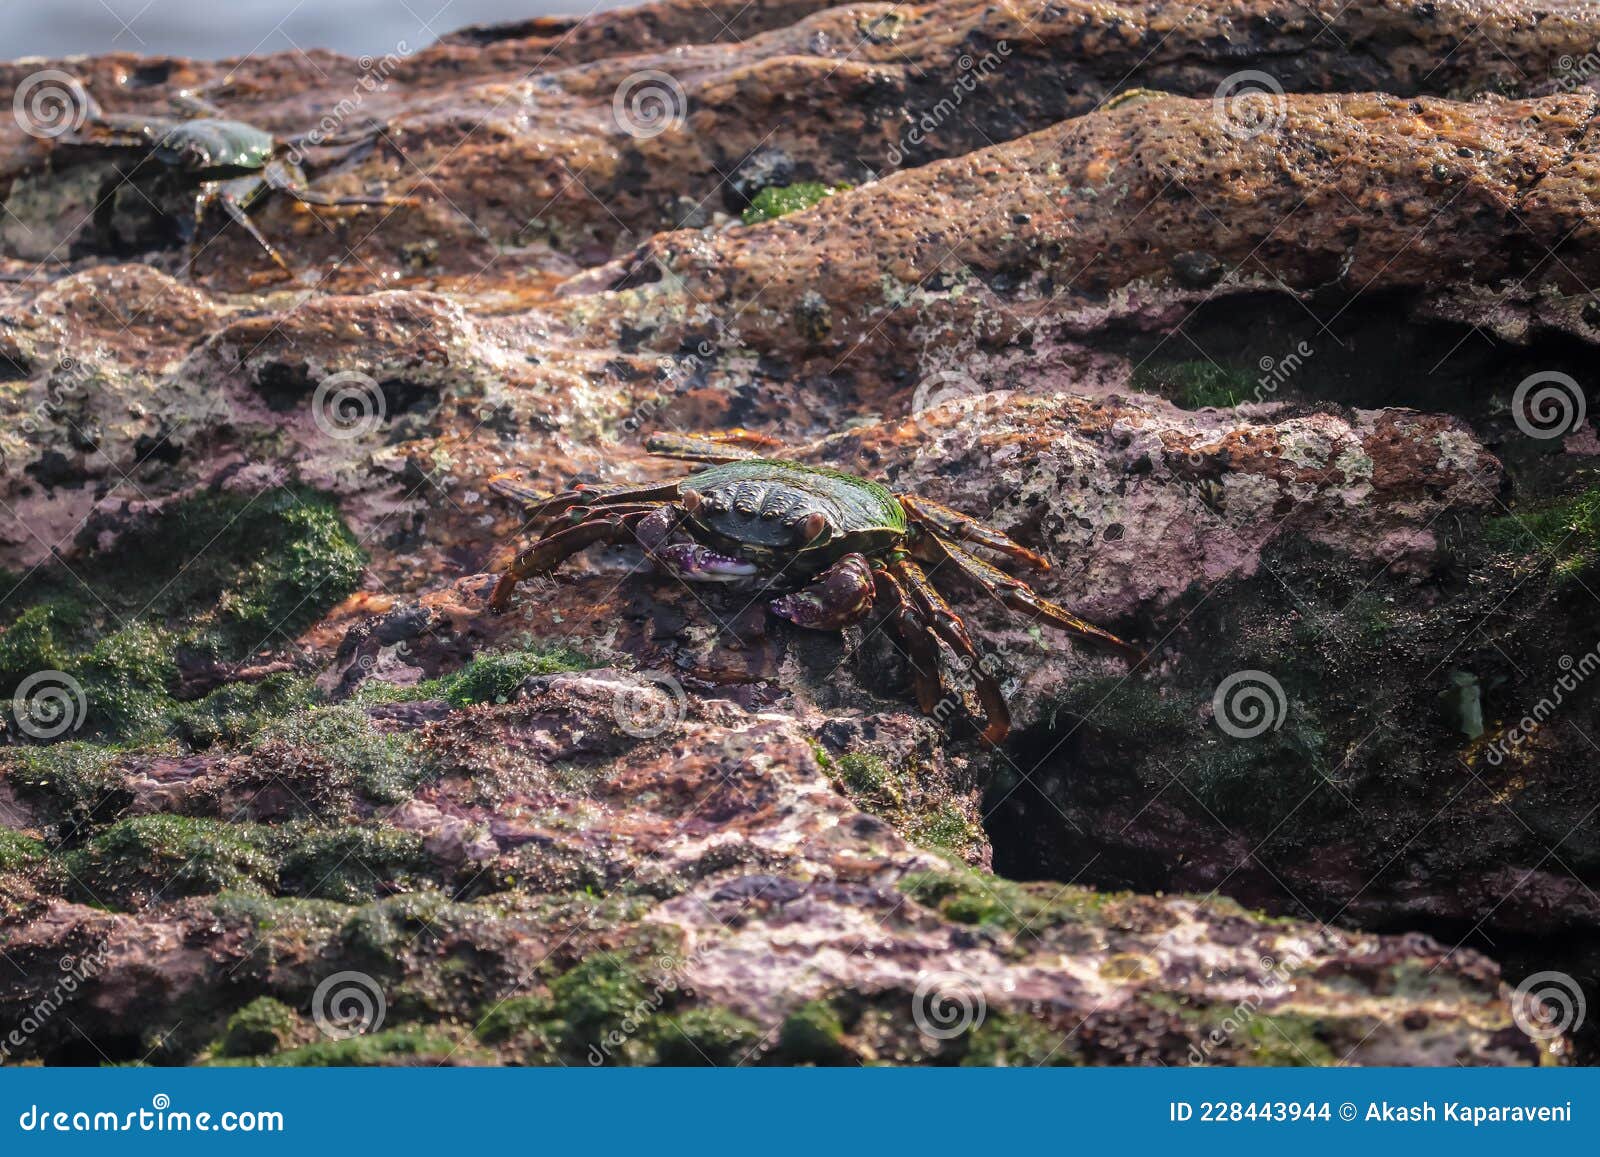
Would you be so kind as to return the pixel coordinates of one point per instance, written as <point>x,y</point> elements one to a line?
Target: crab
<point>828,546</point>
<point>176,170</point>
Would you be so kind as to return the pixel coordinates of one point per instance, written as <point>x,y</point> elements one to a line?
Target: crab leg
<point>931,607</point>
<point>612,509</point>
<point>543,505</point>
<point>1019,596</point>
<point>507,486</point>
<point>554,549</point>
<point>283,179</point>
<point>838,597</point>
<point>922,650</point>
<point>313,197</point>
<point>231,206</point>
<point>325,152</point>
<point>943,520</point>
<point>734,445</point>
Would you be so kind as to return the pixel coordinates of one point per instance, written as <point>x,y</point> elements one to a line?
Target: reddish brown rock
<point>1103,218</point>
<point>811,929</point>
<point>518,144</point>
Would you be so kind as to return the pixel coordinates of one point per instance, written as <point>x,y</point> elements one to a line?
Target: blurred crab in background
<point>829,546</point>
<point>151,181</point>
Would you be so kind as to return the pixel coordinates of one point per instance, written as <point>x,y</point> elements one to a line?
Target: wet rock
<point>741,887</point>
<point>521,143</point>
<point>1115,228</point>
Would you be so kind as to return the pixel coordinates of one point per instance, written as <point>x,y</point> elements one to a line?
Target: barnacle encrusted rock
<point>563,144</point>
<point>1100,219</point>
<point>773,922</point>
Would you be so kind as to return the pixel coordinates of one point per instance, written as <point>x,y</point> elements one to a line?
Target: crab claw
<point>839,596</point>
<point>699,564</point>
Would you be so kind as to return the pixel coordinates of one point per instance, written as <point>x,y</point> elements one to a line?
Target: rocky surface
<point>542,150</point>
<point>1242,359</point>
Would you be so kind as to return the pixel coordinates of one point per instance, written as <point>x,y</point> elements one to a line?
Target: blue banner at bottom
<point>795,1110</point>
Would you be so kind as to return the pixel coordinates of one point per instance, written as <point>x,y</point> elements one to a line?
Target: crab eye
<point>690,500</point>
<point>813,527</point>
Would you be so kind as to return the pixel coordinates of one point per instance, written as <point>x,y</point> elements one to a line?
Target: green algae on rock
<point>212,581</point>
<point>663,977</point>
<point>776,201</point>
